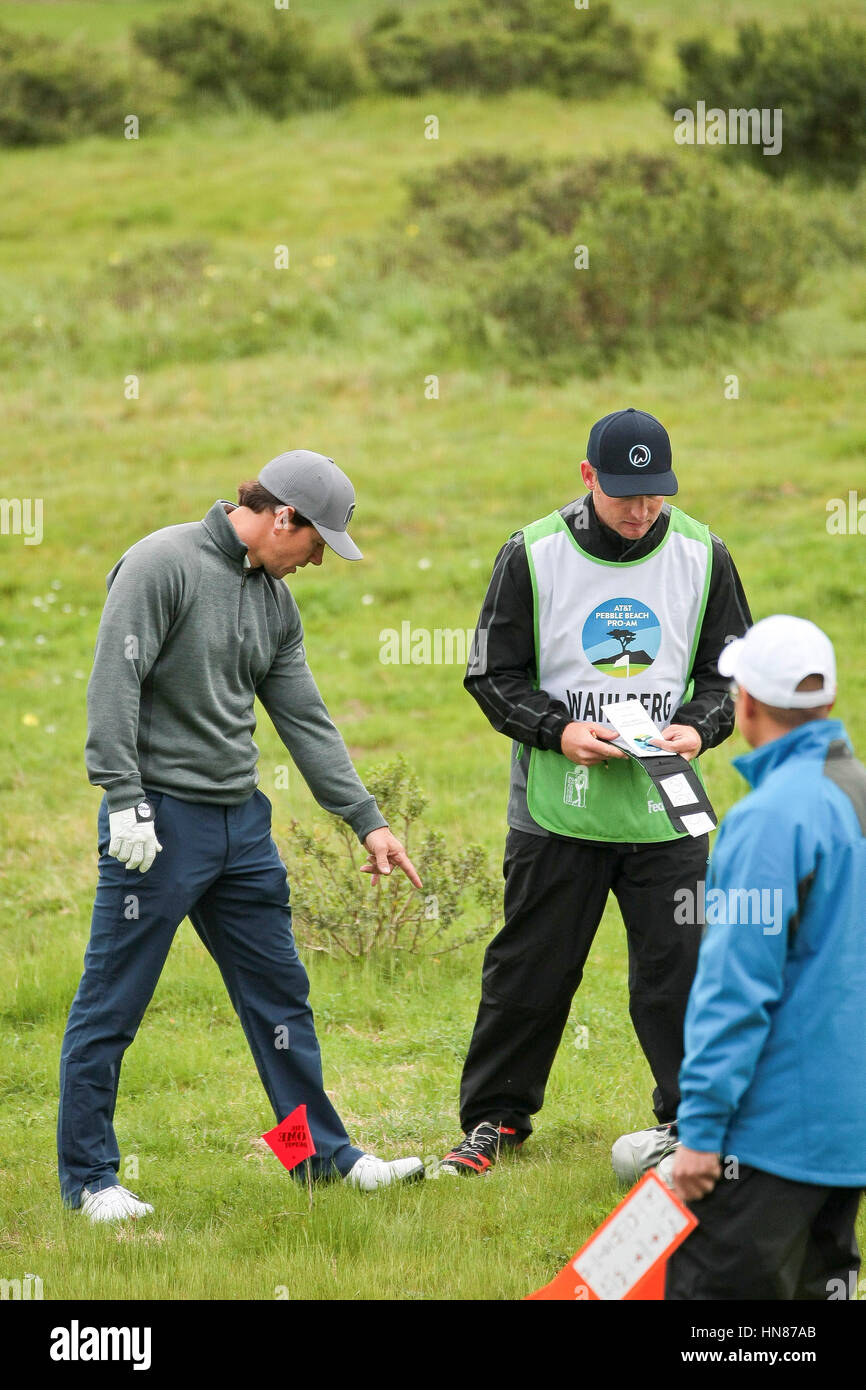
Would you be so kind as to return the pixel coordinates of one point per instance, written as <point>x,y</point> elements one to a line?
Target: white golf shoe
<point>370,1173</point>
<point>113,1204</point>
<point>633,1154</point>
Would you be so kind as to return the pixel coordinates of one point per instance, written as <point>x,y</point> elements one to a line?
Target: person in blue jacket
<point>772,1119</point>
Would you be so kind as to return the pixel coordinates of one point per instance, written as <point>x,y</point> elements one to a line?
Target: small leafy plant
<point>335,909</point>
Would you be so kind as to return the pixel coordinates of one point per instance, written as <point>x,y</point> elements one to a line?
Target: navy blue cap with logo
<point>631,453</point>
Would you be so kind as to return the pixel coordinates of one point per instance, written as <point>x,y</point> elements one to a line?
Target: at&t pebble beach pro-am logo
<point>621,637</point>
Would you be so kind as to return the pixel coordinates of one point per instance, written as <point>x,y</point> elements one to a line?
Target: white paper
<point>678,791</point>
<point>698,823</point>
<point>631,1242</point>
<point>635,728</point>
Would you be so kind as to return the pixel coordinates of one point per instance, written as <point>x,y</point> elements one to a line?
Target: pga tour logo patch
<point>576,782</point>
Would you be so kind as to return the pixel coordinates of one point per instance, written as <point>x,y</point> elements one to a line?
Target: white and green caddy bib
<point>606,632</point>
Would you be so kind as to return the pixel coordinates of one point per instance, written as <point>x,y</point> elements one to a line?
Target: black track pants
<point>555,893</point>
<point>764,1238</point>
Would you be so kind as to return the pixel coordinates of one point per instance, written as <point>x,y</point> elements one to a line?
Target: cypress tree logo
<point>621,637</point>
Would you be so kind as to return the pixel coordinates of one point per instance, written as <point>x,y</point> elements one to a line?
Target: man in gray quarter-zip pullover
<point>197,623</point>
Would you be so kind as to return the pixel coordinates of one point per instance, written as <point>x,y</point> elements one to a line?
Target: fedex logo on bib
<point>621,637</point>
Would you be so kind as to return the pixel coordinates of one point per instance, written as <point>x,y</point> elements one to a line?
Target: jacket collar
<point>808,741</point>
<point>606,544</point>
<point>223,534</point>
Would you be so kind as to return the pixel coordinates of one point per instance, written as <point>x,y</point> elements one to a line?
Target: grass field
<point>440,484</point>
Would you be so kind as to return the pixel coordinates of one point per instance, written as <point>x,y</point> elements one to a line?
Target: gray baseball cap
<point>319,490</point>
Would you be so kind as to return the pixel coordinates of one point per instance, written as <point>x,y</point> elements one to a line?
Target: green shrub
<point>477,174</point>
<point>492,48</point>
<point>242,52</point>
<point>484,205</point>
<point>660,269</point>
<point>815,74</point>
<point>675,258</point>
<point>335,909</point>
<point>53,91</point>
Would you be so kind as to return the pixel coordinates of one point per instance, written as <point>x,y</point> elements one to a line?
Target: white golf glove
<point>133,837</point>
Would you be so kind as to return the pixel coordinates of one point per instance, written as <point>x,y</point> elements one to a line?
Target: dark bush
<point>660,268</point>
<point>675,257</point>
<point>476,174</point>
<point>52,91</point>
<point>243,52</point>
<point>482,205</point>
<point>492,48</point>
<point>815,74</point>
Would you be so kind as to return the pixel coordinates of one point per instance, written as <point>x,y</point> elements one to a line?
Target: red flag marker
<point>626,1257</point>
<point>291,1139</point>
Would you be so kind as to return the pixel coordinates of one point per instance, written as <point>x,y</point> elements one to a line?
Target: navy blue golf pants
<point>219,867</point>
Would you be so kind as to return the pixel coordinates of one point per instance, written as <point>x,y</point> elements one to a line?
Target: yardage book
<point>683,796</point>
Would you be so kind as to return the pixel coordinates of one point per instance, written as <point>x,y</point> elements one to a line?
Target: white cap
<point>775,655</point>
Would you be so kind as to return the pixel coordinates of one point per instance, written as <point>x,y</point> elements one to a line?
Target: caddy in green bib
<point>606,632</point>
